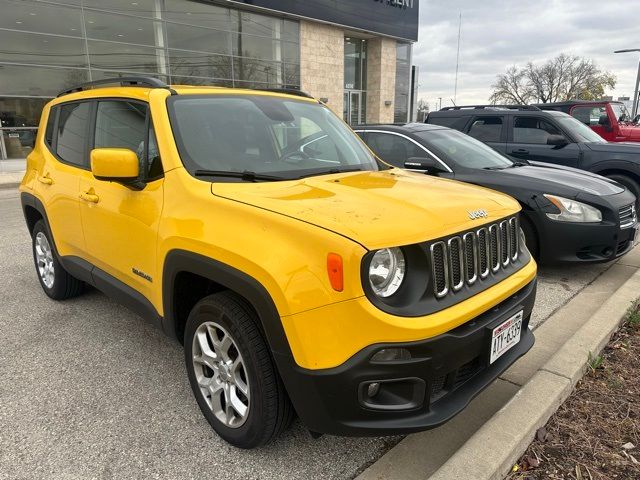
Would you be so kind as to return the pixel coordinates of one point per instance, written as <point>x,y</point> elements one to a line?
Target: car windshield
<point>262,137</point>
<point>456,147</point>
<point>621,112</point>
<point>579,129</point>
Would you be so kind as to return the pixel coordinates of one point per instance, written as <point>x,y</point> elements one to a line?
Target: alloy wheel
<point>44,259</point>
<point>221,374</point>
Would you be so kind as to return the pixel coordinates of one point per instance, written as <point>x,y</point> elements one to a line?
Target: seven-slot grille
<point>627,216</point>
<point>466,258</point>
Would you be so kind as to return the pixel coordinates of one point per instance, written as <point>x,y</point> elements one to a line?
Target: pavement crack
<point>555,373</point>
<point>511,382</point>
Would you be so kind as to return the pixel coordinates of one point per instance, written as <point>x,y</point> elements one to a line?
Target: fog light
<point>391,354</point>
<point>373,389</point>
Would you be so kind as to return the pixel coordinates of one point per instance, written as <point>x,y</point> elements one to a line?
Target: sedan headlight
<point>573,211</point>
<point>386,271</point>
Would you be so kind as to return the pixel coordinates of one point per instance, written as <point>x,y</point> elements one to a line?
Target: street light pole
<point>634,111</point>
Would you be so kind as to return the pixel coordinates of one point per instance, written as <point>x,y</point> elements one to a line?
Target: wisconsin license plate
<point>505,336</point>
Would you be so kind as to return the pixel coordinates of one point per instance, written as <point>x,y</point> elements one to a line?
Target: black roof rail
<point>149,82</point>
<point>490,107</point>
<point>288,91</point>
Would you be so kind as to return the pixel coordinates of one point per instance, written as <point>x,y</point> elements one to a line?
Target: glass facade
<point>355,81</point>
<point>47,46</point>
<point>403,83</point>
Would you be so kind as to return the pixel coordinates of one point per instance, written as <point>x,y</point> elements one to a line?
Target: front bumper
<point>564,242</point>
<point>444,374</point>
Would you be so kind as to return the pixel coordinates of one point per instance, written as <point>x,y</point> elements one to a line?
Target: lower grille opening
<point>455,378</point>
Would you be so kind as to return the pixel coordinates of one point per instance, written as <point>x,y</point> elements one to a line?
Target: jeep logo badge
<point>478,214</point>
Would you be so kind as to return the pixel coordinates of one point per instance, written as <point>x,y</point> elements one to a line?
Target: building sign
<point>395,18</point>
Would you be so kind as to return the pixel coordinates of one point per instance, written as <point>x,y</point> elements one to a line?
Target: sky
<point>497,34</point>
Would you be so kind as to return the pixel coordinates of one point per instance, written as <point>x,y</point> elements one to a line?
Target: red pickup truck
<point>611,120</point>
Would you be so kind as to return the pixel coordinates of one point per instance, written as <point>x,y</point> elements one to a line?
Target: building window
<point>403,83</point>
<point>355,63</point>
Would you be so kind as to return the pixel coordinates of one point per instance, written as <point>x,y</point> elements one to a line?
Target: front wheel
<point>232,374</point>
<point>631,185</point>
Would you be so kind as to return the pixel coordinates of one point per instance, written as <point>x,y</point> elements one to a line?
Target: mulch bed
<point>595,435</point>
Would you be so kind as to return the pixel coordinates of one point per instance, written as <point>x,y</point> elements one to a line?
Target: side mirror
<point>115,164</point>
<point>557,140</point>
<point>426,164</point>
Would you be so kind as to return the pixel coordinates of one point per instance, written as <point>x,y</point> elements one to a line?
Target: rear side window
<point>589,115</point>
<point>73,126</point>
<point>48,133</point>
<point>486,129</point>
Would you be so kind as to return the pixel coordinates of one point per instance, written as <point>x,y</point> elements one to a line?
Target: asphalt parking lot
<point>89,390</point>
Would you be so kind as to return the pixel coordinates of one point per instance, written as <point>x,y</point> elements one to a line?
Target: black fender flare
<point>249,288</point>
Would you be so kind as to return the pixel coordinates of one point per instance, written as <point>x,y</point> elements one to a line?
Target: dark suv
<point>527,133</point>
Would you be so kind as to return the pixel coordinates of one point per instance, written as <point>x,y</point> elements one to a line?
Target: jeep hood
<point>375,209</point>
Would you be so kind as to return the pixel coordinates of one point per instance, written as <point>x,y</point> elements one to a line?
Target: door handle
<point>520,151</point>
<point>90,197</point>
<point>47,180</point>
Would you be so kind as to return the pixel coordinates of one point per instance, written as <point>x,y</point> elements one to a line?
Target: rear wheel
<point>632,185</point>
<point>56,282</point>
<point>232,374</point>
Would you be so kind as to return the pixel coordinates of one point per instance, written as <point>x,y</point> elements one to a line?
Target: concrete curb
<point>496,446</point>
<point>9,186</point>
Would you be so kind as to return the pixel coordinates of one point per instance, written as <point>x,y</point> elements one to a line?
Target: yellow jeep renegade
<point>301,273</point>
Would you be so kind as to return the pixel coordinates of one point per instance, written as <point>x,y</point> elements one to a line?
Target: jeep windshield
<point>263,138</point>
<point>621,112</point>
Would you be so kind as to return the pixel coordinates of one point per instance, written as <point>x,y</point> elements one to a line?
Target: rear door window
<point>487,129</point>
<point>589,115</point>
<point>73,127</point>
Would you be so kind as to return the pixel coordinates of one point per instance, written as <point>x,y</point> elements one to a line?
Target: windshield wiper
<point>331,170</point>
<point>246,175</point>
<point>522,163</point>
<point>494,168</point>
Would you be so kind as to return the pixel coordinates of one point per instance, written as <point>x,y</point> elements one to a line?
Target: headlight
<point>386,271</point>
<point>573,211</point>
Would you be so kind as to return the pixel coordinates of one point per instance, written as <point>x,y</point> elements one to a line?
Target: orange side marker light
<point>335,272</point>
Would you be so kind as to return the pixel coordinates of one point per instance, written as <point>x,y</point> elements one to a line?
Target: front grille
<point>464,258</point>
<point>628,217</point>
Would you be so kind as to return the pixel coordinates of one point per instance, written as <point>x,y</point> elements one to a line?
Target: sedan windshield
<point>462,150</point>
<point>578,129</point>
<point>263,138</point>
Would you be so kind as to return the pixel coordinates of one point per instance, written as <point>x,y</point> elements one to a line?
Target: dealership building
<point>354,55</point>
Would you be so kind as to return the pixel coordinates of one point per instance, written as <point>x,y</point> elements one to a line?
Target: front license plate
<point>505,336</point>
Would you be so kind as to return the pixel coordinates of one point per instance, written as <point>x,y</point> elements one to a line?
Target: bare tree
<point>564,77</point>
<point>422,109</point>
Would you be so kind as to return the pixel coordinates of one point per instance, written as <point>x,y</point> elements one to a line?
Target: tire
<point>631,184</point>
<point>531,237</point>
<point>56,282</point>
<point>238,362</point>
